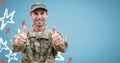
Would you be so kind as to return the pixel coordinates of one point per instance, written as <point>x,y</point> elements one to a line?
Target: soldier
<point>38,44</point>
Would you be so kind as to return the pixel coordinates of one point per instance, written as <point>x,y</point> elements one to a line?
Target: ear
<point>47,14</point>
<point>30,14</point>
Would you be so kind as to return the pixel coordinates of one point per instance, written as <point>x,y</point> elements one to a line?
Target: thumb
<point>25,30</point>
<point>53,30</point>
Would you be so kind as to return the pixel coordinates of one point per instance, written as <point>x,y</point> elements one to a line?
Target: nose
<point>39,16</point>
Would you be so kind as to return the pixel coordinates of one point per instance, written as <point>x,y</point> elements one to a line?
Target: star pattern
<point>60,57</point>
<point>7,30</point>
<point>18,31</point>
<point>23,23</point>
<point>3,2</point>
<point>6,16</point>
<point>3,45</point>
<point>11,56</point>
<point>69,59</point>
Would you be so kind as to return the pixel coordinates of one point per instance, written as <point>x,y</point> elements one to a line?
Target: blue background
<point>92,27</point>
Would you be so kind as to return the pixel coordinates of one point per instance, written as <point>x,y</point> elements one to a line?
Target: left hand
<point>56,37</point>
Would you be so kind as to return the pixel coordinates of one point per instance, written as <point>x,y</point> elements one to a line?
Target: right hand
<point>21,38</point>
<point>56,37</point>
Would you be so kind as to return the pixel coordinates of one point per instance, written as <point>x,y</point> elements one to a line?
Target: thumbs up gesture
<point>21,38</point>
<point>56,38</point>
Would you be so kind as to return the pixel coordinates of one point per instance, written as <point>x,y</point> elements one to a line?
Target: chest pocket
<point>32,41</point>
<point>42,45</point>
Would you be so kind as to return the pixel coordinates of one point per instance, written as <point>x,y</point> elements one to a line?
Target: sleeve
<point>63,46</point>
<point>16,48</point>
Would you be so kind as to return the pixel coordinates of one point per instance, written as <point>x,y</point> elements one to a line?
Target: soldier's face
<point>39,17</point>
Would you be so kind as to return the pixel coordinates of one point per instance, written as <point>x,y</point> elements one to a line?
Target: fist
<point>21,38</point>
<point>56,37</point>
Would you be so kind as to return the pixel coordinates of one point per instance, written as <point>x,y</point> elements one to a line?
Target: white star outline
<point>11,56</point>
<point>6,16</point>
<point>5,47</point>
<point>61,58</point>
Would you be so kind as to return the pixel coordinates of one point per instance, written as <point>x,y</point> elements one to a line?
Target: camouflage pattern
<point>39,48</point>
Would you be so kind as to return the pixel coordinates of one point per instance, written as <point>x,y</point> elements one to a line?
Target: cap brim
<point>38,8</point>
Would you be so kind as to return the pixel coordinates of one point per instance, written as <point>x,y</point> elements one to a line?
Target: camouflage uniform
<point>38,47</point>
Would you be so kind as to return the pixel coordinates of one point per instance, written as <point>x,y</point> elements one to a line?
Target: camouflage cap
<point>38,5</point>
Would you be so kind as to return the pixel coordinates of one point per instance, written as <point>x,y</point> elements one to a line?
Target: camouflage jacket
<point>38,47</point>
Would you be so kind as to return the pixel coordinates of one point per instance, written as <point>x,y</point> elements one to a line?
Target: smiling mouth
<point>38,20</point>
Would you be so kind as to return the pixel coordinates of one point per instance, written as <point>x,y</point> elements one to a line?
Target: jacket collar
<point>42,34</point>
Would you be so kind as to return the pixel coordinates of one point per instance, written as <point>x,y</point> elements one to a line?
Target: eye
<point>42,12</point>
<point>35,13</point>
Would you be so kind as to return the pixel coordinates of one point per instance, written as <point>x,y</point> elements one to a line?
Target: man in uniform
<point>38,44</point>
